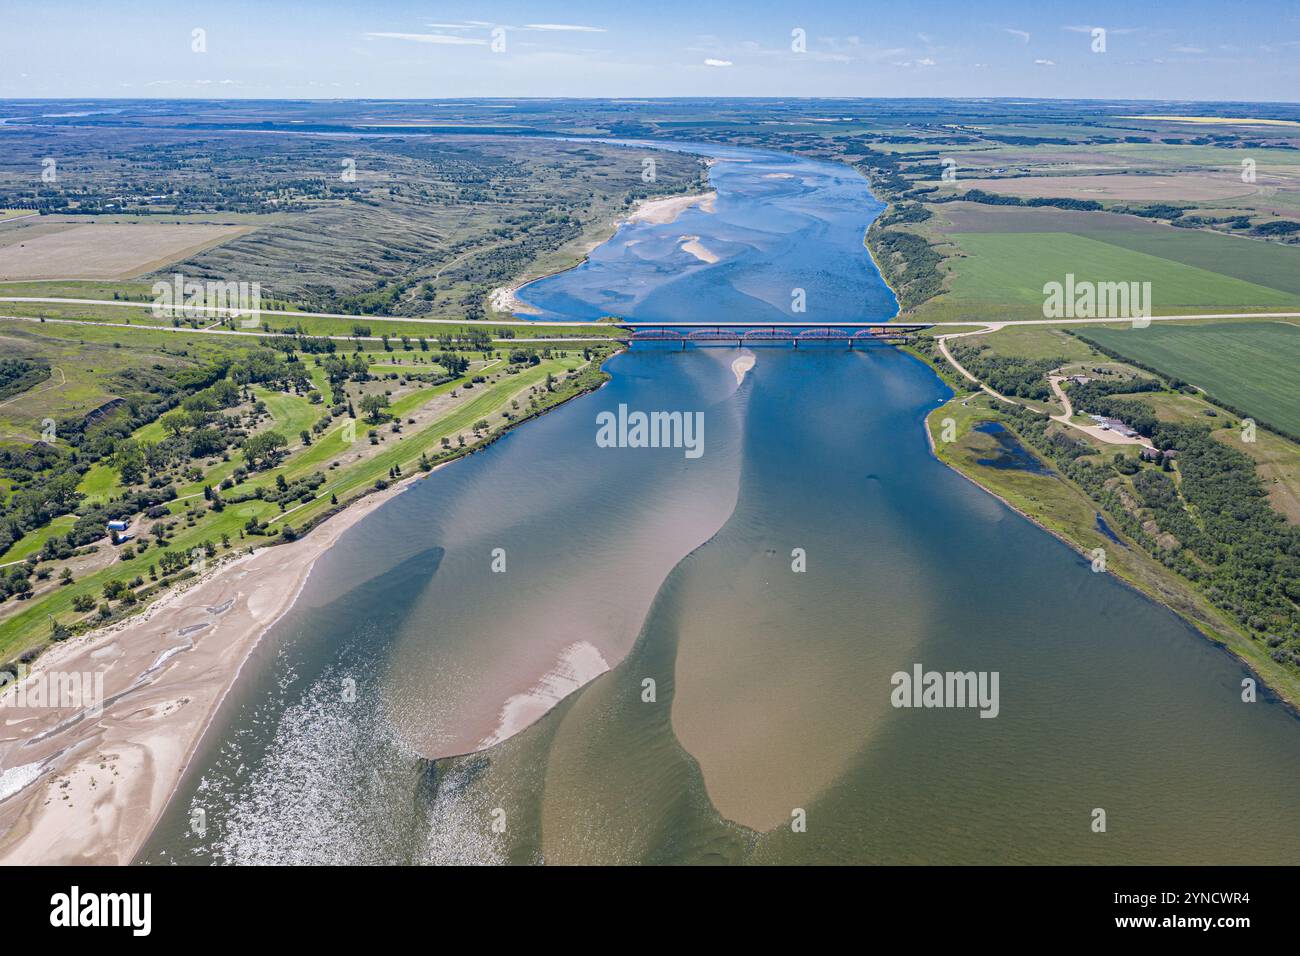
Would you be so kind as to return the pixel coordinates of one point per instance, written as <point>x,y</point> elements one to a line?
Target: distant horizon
<point>514,49</point>
<point>630,99</point>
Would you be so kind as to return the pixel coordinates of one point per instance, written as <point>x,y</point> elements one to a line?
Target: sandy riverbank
<point>660,212</point>
<point>506,299</point>
<point>698,249</point>
<point>88,789</point>
<point>657,211</point>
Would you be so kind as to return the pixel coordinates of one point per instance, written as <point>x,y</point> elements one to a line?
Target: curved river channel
<point>651,680</point>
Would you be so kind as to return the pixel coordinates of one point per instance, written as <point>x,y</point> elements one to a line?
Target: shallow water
<point>788,232</point>
<point>1010,453</point>
<point>742,693</point>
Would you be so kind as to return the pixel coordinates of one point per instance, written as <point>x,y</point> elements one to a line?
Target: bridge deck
<point>736,333</point>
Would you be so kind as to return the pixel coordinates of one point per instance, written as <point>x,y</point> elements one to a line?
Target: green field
<point>1265,264</point>
<point>1248,365</point>
<point>1010,269</point>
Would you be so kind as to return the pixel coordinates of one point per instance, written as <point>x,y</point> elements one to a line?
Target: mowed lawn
<point>1249,365</point>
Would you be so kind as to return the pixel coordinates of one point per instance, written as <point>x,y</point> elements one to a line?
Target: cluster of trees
<point>19,374</point>
<point>1010,375</point>
<point>1097,398</point>
<point>267,366</point>
<point>1277,227</point>
<point>374,406</point>
<point>265,450</point>
<point>1152,211</point>
<point>997,199</point>
<point>524,357</point>
<point>1228,540</point>
<point>904,212</point>
<point>1254,555</point>
<point>37,504</point>
<point>909,263</point>
<point>285,492</point>
<point>188,401</point>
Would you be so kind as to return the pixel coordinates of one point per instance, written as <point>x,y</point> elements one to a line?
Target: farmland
<point>94,251</point>
<point>1248,366</point>
<point>999,258</point>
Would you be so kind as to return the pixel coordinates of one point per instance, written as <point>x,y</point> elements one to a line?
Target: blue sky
<point>1195,50</point>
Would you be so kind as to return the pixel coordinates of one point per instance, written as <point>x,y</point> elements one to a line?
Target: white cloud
<point>710,61</point>
<point>1045,63</point>
<point>441,38</point>
<point>563,27</point>
<point>1188,49</point>
<point>1023,35</point>
<point>1115,31</point>
<point>925,61</point>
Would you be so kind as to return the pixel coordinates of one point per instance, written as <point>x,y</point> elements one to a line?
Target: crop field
<point>1000,257</point>
<point>102,251</point>
<point>1250,366</point>
<point>1006,273</point>
<point>1178,187</point>
<point>1267,264</point>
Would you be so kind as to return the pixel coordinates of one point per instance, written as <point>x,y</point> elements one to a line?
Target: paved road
<point>275,313</point>
<point>211,330</point>
<point>990,326</point>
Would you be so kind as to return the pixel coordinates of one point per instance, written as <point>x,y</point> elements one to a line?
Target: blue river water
<point>787,233</point>
<point>693,659</point>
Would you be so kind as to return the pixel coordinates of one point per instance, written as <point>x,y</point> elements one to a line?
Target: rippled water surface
<point>698,693</point>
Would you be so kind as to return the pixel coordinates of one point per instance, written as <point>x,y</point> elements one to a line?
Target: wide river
<point>557,651</point>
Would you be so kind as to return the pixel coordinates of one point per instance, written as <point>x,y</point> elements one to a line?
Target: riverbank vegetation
<point>201,448</point>
<point>1204,523</point>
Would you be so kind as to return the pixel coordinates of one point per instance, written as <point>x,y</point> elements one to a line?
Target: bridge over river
<point>748,333</point>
